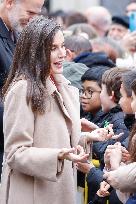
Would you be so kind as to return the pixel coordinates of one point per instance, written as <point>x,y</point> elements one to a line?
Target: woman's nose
<point>62,52</point>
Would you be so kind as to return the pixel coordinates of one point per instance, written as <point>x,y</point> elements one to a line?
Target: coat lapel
<point>52,90</point>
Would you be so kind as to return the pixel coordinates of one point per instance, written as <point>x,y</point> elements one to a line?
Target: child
<point>90,92</point>
<point>110,96</point>
<point>90,100</point>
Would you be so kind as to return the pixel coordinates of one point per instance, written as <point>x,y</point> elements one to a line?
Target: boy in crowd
<point>110,96</point>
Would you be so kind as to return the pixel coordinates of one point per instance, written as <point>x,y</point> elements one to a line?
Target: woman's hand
<point>87,126</point>
<point>71,154</point>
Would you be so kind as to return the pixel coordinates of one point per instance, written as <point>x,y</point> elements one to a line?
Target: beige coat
<point>32,173</point>
<point>124,178</point>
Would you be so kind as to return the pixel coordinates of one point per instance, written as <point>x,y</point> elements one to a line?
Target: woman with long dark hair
<point>41,121</point>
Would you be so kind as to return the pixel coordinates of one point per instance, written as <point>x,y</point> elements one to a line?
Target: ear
<point>112,97</point>
<point>69,55</point>
<point>9,3</point>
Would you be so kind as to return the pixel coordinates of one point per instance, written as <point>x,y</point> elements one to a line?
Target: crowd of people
<point>67,96</point>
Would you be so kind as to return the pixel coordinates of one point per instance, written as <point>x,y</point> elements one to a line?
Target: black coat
<point>7,47</point>
<point>116,117</point>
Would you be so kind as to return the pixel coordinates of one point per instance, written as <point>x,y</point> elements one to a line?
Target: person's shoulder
<point>16,92</point>
<point>17,88</point>
<point>117,113</point>
<point>119,116</point>
<point>20,84</point>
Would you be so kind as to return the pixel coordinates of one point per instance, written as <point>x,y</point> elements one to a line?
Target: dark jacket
<point>132,199</point>
<point>91,59</point>
<point>116,117</point>
<point>7,47</point>
<point>94,178</point>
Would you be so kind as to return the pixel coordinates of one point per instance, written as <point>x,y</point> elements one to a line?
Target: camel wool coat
<point>32,173</point>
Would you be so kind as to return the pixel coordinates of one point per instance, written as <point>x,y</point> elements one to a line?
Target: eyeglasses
<point>88,93</point>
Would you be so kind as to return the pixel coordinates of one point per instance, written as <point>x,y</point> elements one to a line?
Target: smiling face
<point>58,53</point>
<point>90,97</point>
<point>20,12</point>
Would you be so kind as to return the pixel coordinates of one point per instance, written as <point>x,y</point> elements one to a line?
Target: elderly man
<point>119,27</point>
<point>14,15</point>
<point>100,18</point>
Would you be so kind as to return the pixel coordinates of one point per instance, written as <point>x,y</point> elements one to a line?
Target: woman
<point>41,121</point>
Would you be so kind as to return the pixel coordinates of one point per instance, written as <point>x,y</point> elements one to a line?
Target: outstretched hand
<point>87,126</point>
<point>103,191</point>
<point>71,154</point>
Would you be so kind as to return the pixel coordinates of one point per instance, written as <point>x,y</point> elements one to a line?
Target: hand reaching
<point>116,156</point>
<point>113,156</point>
<point>87,126</point>
<point>125,155</point>
<point>84,167</point>
<point>100,134</point>
<point>103,191</point>
<point>111,132</point>
<point>71,154</point>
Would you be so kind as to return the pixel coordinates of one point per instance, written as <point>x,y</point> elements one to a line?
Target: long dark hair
<point>32,60</point>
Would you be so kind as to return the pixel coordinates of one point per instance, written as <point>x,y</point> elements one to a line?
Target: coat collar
<point>59,79</point>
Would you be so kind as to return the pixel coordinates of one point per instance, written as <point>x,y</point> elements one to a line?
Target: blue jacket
<point>132,200</point>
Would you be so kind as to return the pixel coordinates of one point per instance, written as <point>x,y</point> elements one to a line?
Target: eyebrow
<point>89,87</point>
<point>55,45</point>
